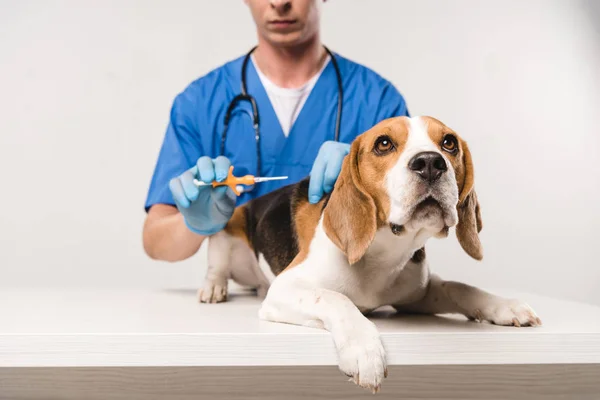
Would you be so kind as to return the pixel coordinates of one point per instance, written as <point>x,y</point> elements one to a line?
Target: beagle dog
<point>361,247</point>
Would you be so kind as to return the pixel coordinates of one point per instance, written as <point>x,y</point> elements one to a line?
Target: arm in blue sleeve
<point>180,150</point>
<point>391,104</point>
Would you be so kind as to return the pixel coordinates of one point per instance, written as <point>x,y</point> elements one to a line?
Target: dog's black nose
<point>429,165</point>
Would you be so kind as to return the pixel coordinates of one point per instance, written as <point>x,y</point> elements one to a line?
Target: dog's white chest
<point>385,275</point>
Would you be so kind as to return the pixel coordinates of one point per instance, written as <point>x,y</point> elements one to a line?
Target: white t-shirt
<point>287,102</point>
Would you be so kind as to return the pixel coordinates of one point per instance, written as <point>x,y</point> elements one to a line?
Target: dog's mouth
<point>427,209</point>
<point>428,201</point>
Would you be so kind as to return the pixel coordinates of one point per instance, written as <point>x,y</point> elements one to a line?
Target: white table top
<point>170,328</point>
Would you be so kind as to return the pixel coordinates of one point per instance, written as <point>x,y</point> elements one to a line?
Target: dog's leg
<point>445,297</point>
<point>360,351</point>
<point>218,272</point>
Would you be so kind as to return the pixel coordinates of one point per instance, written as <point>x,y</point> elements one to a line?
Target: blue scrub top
<point>196,124</point>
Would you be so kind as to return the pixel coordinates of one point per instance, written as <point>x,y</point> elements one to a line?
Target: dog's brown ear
<point>350,215</point>
<point>469,213</point>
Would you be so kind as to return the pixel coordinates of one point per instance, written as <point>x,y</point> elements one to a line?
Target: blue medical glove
<point>326,169</point>
<point>206,210</point>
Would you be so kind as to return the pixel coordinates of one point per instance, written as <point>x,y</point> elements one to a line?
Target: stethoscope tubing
<point>244,96</point>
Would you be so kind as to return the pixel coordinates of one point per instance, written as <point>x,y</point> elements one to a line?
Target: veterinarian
<point>298,107</point>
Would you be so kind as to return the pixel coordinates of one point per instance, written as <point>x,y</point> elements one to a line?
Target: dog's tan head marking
<point>408,174</point>
<point>359,204</point>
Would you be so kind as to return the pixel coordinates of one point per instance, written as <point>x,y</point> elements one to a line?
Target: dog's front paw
<point>213,292</point>
<point>508,312</point>
<point>362,357</point>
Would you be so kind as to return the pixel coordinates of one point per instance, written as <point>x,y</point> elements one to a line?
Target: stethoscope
<point>244,96</point>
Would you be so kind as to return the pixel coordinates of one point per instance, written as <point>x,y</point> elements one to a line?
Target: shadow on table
<point>386,315</point>
<point>232,296</point>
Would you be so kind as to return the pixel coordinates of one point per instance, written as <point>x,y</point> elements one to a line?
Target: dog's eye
<point>450,144</point>
<point>383,145</point>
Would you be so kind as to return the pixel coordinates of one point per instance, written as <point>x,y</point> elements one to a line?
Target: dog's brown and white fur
<point>326,265</point>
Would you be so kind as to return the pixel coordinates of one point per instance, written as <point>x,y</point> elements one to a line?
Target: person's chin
<point>286,39</point>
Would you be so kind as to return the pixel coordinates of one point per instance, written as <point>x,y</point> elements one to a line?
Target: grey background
<point>86,88</point>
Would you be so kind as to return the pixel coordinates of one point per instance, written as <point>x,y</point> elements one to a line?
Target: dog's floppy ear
<point>350,215</point>
<point>469,213</point>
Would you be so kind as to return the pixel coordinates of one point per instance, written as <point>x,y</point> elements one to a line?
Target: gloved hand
<point>206,210</point>
<point>326,169</point>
